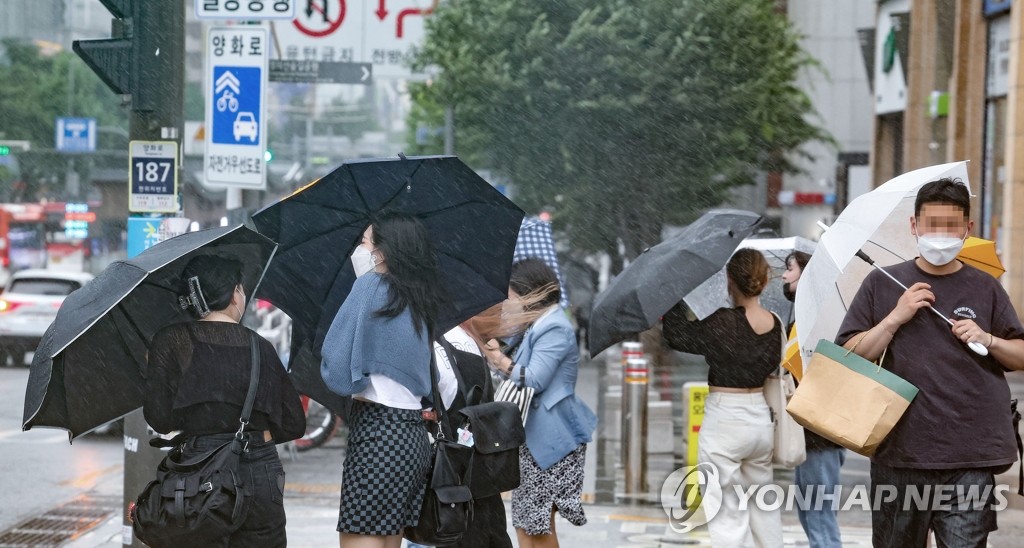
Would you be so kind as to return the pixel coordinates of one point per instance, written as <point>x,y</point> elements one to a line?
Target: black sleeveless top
<point>737,356</point>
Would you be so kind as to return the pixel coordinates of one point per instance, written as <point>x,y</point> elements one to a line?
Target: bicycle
<point>227,101</point>
<point>321,425</point>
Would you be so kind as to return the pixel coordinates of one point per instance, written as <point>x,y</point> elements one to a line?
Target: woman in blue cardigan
<point>559,425</point>
<point>378,350</point>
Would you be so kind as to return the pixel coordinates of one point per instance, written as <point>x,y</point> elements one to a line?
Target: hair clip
<point>195,298</point>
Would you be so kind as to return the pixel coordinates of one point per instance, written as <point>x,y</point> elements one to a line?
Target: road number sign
<point>153,178</point>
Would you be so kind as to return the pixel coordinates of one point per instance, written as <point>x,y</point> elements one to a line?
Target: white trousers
<point>737,437</point>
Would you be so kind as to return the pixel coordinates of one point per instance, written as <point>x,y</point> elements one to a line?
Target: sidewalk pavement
<point>311,522</point>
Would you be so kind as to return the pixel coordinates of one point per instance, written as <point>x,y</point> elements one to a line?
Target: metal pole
<point>635,435</point>
<point>449,130</point>
<point>163,123</point>
<point>630,351</point>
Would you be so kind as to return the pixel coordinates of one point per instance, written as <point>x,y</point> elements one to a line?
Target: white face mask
<point>363,261</point>
<point>939,250</point>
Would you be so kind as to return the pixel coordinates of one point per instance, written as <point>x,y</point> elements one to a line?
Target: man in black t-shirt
<point>958,430</point>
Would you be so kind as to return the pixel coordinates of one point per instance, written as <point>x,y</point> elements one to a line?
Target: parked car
<point>28,306</point>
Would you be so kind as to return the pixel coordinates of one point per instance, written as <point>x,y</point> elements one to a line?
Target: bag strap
<point>880,358</point>
<point>442,419</point>
<point>254,381</point>
<point>1015,414</point>
<point>784,339</point>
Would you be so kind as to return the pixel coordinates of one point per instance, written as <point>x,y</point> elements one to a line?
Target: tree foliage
<point>627,114</point>
<point>35,90</point>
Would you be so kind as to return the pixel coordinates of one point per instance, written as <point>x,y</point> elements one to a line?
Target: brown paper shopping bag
<point>849,400</point>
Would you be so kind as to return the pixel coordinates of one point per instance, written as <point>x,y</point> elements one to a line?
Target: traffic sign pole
<point>146,60</point>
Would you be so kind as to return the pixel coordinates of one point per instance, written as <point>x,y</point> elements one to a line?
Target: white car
<point>245,126</point>
<point>29,305</point>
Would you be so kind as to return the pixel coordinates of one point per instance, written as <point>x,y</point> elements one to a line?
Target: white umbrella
<point>712,294</point>
<point>877,223</point>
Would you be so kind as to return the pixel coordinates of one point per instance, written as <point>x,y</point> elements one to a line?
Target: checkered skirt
<point>385,471</point>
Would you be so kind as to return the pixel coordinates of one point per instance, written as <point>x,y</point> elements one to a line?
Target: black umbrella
<point>90,367</point>
<point>662,275</point>
<point>472,226</point>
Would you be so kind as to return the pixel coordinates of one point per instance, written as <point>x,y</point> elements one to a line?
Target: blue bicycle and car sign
<point>235,108</point>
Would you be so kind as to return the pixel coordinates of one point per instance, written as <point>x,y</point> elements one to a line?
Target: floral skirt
<point>560,486</point>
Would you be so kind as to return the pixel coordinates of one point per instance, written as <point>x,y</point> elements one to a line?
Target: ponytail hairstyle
<point>215,280</point>
<point>748,271</point>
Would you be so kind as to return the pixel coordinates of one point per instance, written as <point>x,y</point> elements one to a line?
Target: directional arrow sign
<point>227,81</point>
<point>320,72</point>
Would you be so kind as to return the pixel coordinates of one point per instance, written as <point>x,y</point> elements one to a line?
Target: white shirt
<point>386,391</point>
<point>447,382</point>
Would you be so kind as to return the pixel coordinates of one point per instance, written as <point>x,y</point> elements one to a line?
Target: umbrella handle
<point>978,348</point>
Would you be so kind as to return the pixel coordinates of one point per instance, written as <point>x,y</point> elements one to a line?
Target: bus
<point>22,238</point>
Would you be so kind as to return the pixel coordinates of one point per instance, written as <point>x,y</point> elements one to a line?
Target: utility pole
<point>144,60</point>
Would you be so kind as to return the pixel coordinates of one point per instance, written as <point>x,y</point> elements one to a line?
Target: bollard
<point>630,351</point>
<point>634,436</point>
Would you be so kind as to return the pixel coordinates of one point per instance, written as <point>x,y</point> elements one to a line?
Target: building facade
<point>947,86</point>
<point>840,91</point>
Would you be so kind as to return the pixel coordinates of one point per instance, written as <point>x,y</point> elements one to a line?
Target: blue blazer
<point>558,422</point>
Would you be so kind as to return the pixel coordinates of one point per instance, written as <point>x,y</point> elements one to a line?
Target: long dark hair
<point>530,276</point>
<point>411,269</point>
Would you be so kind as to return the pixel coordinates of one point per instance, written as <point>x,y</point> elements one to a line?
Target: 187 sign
<point>156,173</point>
<point>153,185</point>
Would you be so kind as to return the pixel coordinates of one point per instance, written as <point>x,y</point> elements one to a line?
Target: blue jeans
<point>819,474</point>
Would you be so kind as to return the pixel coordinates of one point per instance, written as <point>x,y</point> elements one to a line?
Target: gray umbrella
<point>90,367</point>
<point>662,275</point>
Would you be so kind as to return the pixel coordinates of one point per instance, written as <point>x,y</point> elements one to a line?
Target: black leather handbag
<point>202,500</point>
<point>497,435</point>
<point>448,502</point>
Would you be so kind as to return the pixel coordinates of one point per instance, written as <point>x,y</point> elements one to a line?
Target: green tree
<point>635,114</point>
<point>34,91</point>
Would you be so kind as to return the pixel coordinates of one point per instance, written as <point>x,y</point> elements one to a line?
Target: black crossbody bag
<point>448,502</point>
<point>200,501</point>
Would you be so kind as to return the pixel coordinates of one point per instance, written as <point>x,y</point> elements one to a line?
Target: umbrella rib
<point>471,267</point>
<point>311,237</point>
<point>131,322</point>
<point>887,250</point>
<point>395,196</point>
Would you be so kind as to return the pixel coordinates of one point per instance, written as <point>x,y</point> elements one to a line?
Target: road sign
<point>236,84</point>
<point>76,134</point>
<point>153,177</point>
<point>245,10</point>
<point>320,72</point>
<point>384,33</point>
